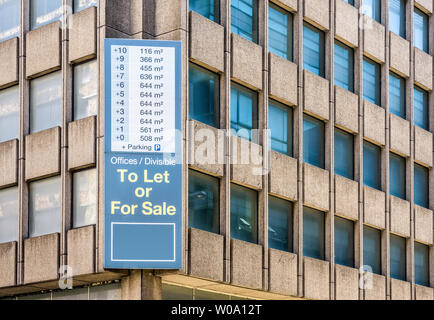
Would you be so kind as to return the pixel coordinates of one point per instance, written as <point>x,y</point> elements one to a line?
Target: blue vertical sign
<point>143,154</point>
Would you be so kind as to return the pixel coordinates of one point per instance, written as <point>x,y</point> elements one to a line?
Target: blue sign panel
<point>143,154</point>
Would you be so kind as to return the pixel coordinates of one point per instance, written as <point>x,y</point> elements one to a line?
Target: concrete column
<point>24,85</point>
<point>141,285</point>
<point>298,150</point>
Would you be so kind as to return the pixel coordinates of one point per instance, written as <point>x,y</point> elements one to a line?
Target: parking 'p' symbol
<point>157,147</point>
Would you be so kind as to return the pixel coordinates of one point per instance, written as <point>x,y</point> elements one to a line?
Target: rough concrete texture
<point>423,146</point>
<point>43,52</point>
<point>8,163</point>
<point>316,95</point>
<point>374,36</point>
<point>206,148</point>
<point>425,5</point>
<point>131,288</point>
<point>346,23</point>
<point>290,5</point>
<point>164,16</point>
<point>282,79</point>
<point>9,62</point>
<point>346,108</point>
<point>82,143</point>
<point>283,175</point>
<point>127,16</point>
<point>423,69</point>
<point>378,289</point>
<point>206,42</point>
<point>246,62</point>
<point>346,197</point>
<point>151,286</point>
<point>8,264</point>
<point>81,250</point>
<point>247,162</point>
<point>399,135</point>
<point>246,264</point>
<point>43,153</point>
<point>400,290</point>
<point>346,283</point>
<point>423,224</point>
<point>374,122</point>
<point>400,216</point>
<point>423,293</point>
<point>82,35</point>
<point>41,258</point>
<point>317,12</point>
<point>399,54</point>
<point>282,272</point>
<point>375,207</point>
<point>316,279</point>
<point>316,187</point>
<point>205,247</point>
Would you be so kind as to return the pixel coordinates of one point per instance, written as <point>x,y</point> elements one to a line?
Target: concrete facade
<point>216,261</point>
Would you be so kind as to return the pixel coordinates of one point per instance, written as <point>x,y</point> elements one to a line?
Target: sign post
<point>143,152</point>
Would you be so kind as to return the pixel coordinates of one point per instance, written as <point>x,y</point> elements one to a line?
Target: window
<point>280,125</point>
<point>397,17</point>
<point>372,8</point>
<point>208,8</point>
<point>9,214</point>
<point>344,242</point>
<point>85,90</point>
<point>44,12</point>
<point>397,176</point>
<point>421,186</point>
<point>44,206</point>
<point>46,102</point>
<point>313,141</point>
<point>203,201</point>
<point>313,233</point>
<point>244,110</point>
<point>177,292</point>
<point>397,257</point>
<point>371,81</point>
<point>84,4</point>
<point>280,32</point>
<point>244,17</point>
<point>9,19</point>
<point>372,248</point>
<point>9,114</point>
<point>244,214</point>
<point>420,30</point>
<point>344,66</point>
<point>421,264</point>
<point>397,95</point>
<point>420,102</point>
<point>84,198</point>
<point>204,96</point>
<point>350,2</point>
<point>313,50</point>
<point>280,224</point>
<point>110,291</point>
<point>371,165</point>
<point>344,154</point>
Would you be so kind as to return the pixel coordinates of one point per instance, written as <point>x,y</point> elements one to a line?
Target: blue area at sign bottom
<point>135,242</point>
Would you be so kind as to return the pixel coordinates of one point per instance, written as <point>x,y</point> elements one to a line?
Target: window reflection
<point>84,198</point>
<point>9,19</point>
<point>9,114</point>
<point>9,214</point>
<point>44,206</point>
<point>44,12</point>
<point>46,102</point>
<point>85,90</point>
